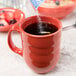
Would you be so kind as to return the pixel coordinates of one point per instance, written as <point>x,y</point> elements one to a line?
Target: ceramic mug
<point>41,53</point>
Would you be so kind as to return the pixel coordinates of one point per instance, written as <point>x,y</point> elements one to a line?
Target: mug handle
<point>10,42</point>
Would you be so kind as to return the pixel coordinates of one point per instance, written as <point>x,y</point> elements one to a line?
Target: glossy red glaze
<point>10,13</point>
<point>41,53</point>
<point>6,25</point>
<point>59,12</point>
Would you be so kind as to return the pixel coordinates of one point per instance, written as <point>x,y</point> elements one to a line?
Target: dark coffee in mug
<point>42,28</point>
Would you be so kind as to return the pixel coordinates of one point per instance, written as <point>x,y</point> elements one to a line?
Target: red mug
<point>41,53</point>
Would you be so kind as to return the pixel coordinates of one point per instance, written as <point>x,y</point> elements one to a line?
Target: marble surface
<point>12,64</point>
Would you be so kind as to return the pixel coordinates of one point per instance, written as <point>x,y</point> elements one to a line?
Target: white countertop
<point>12,64</point>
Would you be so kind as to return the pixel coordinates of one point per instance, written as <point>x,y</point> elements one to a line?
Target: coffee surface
<point>47,28</point>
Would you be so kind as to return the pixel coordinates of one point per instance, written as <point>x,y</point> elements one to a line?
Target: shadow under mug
<point>41,53</point>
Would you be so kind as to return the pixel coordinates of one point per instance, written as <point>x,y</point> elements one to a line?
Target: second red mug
<point>41,53</point>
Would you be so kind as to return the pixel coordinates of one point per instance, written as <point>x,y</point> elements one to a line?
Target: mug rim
<point>41,36</point>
